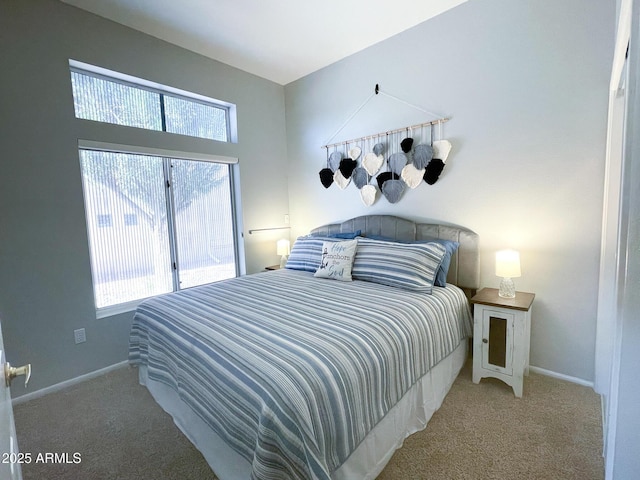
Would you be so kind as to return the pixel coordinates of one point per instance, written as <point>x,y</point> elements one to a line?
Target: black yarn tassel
<point>433,171</point>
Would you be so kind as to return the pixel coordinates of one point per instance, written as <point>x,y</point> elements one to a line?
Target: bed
<point>281,374</point>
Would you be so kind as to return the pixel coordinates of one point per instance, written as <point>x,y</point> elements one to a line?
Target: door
<point>10,457</point>
<point>497,335</point>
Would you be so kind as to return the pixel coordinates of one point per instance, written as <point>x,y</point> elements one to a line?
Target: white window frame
<point>232,137</point>
<point>117,77</point>
<point>180,155</point>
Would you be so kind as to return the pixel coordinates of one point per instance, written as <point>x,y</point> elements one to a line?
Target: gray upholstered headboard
<point>465,263</point>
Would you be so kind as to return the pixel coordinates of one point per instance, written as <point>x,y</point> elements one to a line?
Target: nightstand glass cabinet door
<point>497,341</point>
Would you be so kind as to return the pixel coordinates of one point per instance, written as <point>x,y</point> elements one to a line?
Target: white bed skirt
<point>410,415</point>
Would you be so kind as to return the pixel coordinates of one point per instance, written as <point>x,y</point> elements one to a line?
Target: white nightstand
<point>501,332</point>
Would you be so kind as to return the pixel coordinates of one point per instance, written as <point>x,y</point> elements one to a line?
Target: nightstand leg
<point>517,390</point>
<point>477,355</point>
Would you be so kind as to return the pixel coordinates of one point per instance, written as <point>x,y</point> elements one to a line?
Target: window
<point>157,220</point>
<point>111,102</point>
<point>114,101</point>
<point>185,236</point>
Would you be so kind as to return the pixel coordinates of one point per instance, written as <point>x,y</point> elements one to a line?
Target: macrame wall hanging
<point>390,158</point>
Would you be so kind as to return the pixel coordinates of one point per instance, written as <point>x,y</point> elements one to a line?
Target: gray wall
<point>526,85</point>
<point>45,277</point>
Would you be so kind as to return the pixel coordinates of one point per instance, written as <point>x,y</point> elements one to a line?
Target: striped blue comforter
<point>293,371</point>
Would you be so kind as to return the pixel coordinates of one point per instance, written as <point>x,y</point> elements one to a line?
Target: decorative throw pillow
<point>337,260</point>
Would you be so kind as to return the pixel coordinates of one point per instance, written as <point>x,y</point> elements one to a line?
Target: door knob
<point>11,372</point>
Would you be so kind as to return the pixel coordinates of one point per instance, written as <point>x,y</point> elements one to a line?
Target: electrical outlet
<point>80,335</point>
<point>286,219</point>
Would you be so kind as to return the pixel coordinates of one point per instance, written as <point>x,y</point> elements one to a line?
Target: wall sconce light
<point>282,249</point>
<point>507,267</point>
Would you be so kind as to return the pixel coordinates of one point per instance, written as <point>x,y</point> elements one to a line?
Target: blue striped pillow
<point>306,253</point>
<point>409,266</point>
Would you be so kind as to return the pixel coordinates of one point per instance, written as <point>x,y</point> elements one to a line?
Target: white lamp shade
<point>282,247</point>
<point>508,264</point>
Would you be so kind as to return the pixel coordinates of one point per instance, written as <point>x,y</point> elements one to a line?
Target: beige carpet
<point>481,432</point>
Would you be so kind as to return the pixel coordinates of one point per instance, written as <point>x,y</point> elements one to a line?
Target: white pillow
<point>337,260</point>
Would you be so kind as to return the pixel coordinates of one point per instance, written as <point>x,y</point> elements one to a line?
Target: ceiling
<point>280,40</point>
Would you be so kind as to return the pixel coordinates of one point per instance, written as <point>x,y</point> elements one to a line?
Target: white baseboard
<point>561,376</point>
<point>88,376</point>
<point>67,383</point>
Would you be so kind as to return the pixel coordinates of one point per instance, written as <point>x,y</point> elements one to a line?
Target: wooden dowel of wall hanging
<point>389,132</point>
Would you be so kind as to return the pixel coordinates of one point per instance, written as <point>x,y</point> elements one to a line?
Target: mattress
<point>293,373</point>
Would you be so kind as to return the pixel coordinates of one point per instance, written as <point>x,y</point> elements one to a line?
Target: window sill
<point>117,309</point>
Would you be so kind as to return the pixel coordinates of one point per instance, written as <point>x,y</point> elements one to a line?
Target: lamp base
<point>283,260</point>
<point>507,288</point>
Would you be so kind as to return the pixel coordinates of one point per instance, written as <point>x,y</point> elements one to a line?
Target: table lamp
<point>282,249</point>
<point>507,267</point>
